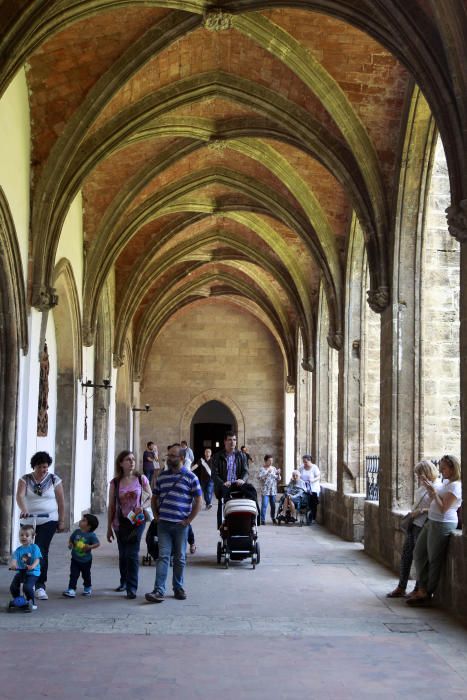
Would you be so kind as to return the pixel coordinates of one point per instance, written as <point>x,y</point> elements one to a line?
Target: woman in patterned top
<point>41,492</point>
<point>269,476</point>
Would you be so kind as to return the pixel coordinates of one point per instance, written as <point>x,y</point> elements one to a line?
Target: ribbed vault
<point>225,150</point>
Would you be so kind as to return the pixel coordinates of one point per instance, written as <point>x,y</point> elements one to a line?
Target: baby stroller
<point>238,532</point>
<point>152,544</point>
<point>284,514</point>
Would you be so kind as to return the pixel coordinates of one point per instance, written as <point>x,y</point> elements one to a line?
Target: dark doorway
<point>208,426</point>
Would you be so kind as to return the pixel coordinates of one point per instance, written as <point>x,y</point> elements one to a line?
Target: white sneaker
<point>70,593</point>
<point>41,594</point>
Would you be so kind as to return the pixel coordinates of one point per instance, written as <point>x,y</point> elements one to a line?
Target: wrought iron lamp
<point>88,384</point>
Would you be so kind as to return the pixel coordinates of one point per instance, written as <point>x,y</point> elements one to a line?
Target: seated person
<point>295,494</point>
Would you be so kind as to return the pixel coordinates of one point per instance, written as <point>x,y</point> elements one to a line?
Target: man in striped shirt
<point>176,502</point>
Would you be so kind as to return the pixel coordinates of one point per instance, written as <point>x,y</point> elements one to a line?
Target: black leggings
<point>44,534</point>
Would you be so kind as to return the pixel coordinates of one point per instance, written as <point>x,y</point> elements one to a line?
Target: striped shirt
<point>176,491</point>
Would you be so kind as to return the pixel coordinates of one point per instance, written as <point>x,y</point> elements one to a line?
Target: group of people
<point>433,518</point>
<point>174,496</point>
<point>302,491</point>
<point>41,501</point>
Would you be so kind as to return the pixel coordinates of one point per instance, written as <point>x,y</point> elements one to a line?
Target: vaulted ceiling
<point>220,150</point>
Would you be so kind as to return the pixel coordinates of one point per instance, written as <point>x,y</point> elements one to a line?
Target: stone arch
<point>211,395</point>
<point>13,338</point>
<point>149,267</point>
<point>400,324</point>
<point>157,315</point>
<point>262,200</point>
<point>67,321</point>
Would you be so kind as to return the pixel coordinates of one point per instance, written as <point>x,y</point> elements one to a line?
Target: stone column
<point>457,224</point>
<point>100,434</point>
<point>136,420</point>
<point>289,430</point>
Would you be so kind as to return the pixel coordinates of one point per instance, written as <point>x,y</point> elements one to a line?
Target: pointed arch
<point>212,394</point>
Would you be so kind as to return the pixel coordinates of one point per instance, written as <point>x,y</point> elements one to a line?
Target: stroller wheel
<point>219,552</point>
<point>258,553</point>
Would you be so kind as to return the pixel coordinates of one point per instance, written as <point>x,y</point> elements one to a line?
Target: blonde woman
<point>442,521</point>
<point>424,470</point>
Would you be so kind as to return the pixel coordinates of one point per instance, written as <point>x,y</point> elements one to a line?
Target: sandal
<point>398,592</point>
<point>418,599</point>
<point>192,548</point>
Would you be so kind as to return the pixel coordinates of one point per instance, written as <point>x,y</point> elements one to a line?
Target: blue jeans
<point>128,561</point>
<point>207,492</point>
<point>264,506</point>
<point>172,541</point>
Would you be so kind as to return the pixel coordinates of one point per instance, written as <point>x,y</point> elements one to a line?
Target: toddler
<point>26,562</point>
<point>82,541</point>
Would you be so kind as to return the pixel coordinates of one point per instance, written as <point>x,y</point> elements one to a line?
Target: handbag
<point>406,522</point>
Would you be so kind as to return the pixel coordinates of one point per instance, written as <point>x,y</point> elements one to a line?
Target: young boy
<point>81,543</point>
<point>26,561</point>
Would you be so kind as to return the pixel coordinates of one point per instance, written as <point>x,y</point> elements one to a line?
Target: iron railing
<point>372,471</point>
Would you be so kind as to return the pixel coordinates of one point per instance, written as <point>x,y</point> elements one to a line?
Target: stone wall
<point>229,352</point>
<point>440,430</point>
<point>342,514</point>
<point>453,584</point>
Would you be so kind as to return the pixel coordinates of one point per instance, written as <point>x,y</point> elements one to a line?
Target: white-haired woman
<point>422,499</point>
<point>432,543</point>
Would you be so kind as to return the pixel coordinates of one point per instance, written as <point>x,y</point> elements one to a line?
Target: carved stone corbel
<point>215,20</point>
<point>457,221</point>
<point>378,299</point>
<point>308,364</point>
<point>44,297</point>
<point>336,341</point>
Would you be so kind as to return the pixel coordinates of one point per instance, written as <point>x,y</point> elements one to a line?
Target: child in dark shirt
<point>82,541</point>
<point>25,561</point>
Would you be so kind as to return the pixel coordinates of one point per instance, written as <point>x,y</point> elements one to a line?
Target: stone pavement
<point>312,619</point>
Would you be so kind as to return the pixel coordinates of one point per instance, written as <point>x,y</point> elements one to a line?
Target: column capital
<point>118,360</point>
<point>44,297</point>
<point>378,299</point>
<point>457,221</point>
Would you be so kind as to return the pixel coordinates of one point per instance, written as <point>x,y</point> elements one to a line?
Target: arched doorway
<point>209,424</point>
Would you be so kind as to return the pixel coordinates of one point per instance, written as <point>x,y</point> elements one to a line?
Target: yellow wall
<point>15,152</point>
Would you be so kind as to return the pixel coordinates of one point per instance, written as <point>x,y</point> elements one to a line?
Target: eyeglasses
<point>37,489</point>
